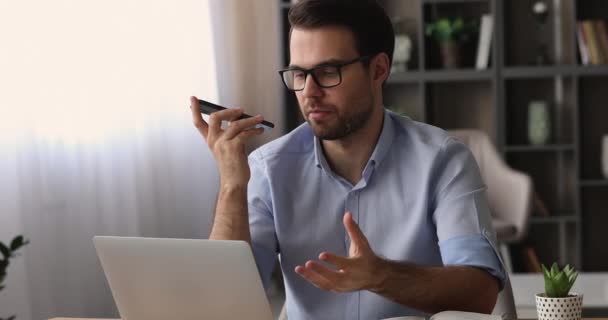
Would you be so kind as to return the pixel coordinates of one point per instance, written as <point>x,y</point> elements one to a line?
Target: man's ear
<point>380,67</point>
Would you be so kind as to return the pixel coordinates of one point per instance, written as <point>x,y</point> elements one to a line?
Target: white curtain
<point>247,43</point>
<point>96,139</point>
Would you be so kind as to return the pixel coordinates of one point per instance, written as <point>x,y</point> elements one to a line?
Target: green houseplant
<point>557,302</point>
<point>6,253</point>
<point>450,34</point>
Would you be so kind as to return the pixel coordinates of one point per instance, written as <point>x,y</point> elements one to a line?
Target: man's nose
<point>311,88</point>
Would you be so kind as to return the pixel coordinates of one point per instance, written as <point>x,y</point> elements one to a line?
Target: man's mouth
<point>318,114</point>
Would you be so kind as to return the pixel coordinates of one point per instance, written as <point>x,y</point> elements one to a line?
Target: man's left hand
<point>358,271</point>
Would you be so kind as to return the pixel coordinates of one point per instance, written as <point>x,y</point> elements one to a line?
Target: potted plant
<point>450,35</point>
<point>6,253</point>
<point>557,302</point>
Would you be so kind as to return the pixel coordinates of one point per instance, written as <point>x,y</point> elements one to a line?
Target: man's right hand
<point>228,145</point>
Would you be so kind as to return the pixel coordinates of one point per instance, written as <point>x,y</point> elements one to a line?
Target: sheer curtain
<point>96,139</point>
<point>248,54</point>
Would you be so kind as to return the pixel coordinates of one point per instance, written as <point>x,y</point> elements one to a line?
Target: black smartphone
<point>209,108</point>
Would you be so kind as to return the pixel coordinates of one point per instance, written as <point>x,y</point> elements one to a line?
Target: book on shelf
<point>593,41</point>
<point>590,37</point>
<point>485,41</point>
<point>582,44</point>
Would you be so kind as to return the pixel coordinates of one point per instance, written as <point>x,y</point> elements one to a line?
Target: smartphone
<point>208,108</point>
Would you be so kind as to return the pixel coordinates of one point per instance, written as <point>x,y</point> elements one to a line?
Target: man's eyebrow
<point>322,63</point>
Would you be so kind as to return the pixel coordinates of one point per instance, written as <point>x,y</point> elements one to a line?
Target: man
<point>373,215</point>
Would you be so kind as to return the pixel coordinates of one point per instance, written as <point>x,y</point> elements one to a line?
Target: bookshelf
<point>567,169</point>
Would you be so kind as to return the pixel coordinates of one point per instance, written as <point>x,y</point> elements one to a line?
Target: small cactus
<point>558,283</point>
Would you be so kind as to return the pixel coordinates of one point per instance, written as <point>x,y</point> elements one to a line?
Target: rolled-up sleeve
<point>461,212</point>
<point>261,221</point>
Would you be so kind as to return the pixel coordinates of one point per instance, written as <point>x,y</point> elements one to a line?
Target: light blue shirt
<point>421,200</point>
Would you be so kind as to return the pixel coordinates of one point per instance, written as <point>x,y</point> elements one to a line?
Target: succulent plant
<point>558,282</point>
<point>445,29</point>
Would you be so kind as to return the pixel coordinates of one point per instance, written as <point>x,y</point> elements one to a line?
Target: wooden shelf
<point>598,70</point>
<point>442,76</point>
<point>457,75</point>
<point>528,72</point>
<point>540,148</point>
<point>452,1</point>
<point>594,183</point>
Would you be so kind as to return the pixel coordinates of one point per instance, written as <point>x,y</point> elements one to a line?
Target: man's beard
<point>345,124</point>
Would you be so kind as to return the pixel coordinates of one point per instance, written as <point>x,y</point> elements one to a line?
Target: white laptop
<point>160,279</point>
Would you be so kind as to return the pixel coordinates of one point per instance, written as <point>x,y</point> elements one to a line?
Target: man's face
<point>332,113</point>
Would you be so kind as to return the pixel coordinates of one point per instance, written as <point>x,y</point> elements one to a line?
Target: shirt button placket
<point>352,205</point>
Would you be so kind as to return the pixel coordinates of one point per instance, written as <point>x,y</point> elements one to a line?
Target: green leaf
<point>572,278</point>
<point>550,289</point>
<point>561,285</point>
<point>554,270</point>
<point>445,29</point>
<point>6,252</point>
<point>568,270</point>
<point>16,243</point>
<point>458,25</point>
<point>545,272</point>
<point>3,266</point>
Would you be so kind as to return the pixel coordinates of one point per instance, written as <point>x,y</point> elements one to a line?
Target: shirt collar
<point>382,146</point>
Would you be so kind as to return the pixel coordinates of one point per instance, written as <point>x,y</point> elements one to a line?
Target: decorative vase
<point>567,308</point>
<point>450,54</point>
<point>402,53</point>
<point>539,122</point>
<point>605,156</point>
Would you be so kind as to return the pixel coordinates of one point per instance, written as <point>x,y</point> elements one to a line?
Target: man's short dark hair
<point>371,27</point>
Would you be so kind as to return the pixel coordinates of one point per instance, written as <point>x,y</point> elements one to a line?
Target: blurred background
<point>96,136</point>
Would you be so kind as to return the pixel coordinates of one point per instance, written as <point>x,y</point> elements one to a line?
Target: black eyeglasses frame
<point>337,65</point>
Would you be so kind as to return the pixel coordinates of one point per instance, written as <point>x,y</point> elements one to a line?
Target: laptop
<point>185,279</point>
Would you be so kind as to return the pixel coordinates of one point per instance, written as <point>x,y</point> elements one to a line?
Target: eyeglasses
<point>326,75</point>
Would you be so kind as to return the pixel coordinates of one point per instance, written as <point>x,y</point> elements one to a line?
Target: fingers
<point>334,260</point>
<point>197,118</point>
<point>354,232</point>
<point>319,275</point>
<point>248,133</point>
<point>314,278</point>
<point>216,118</point>
<point>236,127</point>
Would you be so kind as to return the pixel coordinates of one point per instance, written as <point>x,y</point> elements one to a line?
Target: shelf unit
<point>566,171</point>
